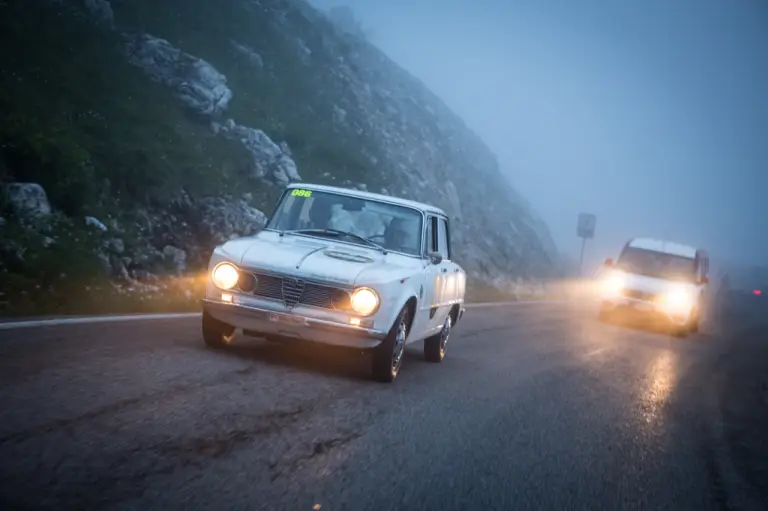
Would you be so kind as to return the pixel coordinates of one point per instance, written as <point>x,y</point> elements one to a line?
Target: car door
<point>424,323</point>
<point>457,278</point>
<point>446,276</point>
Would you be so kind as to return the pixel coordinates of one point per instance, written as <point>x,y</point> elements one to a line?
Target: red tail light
<point>757,292</point>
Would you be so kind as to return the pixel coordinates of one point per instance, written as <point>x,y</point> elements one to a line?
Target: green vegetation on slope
<point>89,127</point>
<point>106,141</point>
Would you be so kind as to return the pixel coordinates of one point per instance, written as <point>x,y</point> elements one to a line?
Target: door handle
<point>444,270</point>
<point>455,270</point>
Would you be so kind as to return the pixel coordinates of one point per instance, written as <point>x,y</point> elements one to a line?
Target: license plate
<point>286,320</point>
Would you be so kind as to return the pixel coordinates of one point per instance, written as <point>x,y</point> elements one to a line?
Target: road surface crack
<point>318,449</point>
<point>124,474</point>
<point>119,406</point>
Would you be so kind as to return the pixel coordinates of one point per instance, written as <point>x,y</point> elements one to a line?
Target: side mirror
<point>704,280</point>
<point>608,261</point>
<point>435,258</point>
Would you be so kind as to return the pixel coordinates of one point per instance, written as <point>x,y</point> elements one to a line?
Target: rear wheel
<point>216,334</point>
<point>388,356</point>
<point>434,347</point>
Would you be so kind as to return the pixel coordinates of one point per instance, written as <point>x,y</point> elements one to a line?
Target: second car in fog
<point>657,278</point>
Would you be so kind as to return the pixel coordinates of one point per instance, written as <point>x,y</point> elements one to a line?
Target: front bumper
<point>298,324</point>
<point>636,306</point>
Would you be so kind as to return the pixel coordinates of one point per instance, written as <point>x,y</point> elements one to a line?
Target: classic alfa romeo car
<point>341,267</point>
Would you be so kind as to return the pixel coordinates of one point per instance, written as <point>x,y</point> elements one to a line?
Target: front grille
<point>292,291</point>
<point>639,295</point>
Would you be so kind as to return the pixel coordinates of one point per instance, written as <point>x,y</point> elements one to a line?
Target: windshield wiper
<point>338,232</point>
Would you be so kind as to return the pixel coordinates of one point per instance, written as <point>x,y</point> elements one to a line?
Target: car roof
<point>667,247</point>
<point>368,195</point>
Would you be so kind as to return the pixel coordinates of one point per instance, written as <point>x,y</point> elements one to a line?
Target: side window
<point>431,244</point>
<point>442,238</point>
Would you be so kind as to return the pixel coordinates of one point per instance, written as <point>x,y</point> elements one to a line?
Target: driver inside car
<point>326,214</point>
<point>399,236</point>
<point>320,213</point>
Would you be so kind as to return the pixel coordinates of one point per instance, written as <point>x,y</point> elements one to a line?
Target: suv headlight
<point>225,276</point>
<point>365,301</point>
<point>612,284</point>
<point>678,300</point>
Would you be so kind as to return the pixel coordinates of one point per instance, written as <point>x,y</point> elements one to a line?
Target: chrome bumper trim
<point>294,319</point>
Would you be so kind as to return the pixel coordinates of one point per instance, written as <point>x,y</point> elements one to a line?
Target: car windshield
<point>356,220</point>
<point>657,264</point>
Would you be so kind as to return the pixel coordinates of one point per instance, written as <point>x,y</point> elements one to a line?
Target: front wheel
<point>434,347</point>
<point>388,356</point>
<point>691,326</point>
<point>695,322</point>
<point>216,334</point>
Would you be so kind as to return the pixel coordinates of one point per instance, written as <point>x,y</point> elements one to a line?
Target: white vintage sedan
<point>341,267</point>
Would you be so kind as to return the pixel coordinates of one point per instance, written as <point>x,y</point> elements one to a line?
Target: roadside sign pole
<point>585,230</point>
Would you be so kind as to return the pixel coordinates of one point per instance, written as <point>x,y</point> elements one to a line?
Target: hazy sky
<point>651,114</point>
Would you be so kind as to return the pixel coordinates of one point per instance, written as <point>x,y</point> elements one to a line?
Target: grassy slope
<point>89,127</point>
<point>103,140</point>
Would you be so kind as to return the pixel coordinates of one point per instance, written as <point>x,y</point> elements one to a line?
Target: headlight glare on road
<point>678,301</point>
<point>612,284</point>
<point>365,301</point>
<point>225,276</point>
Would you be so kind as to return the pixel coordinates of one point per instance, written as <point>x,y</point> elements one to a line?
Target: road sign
<point>586,227</point>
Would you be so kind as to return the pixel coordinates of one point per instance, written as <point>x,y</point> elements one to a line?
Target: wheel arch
<point>411,304</point>
<point>454,314</point>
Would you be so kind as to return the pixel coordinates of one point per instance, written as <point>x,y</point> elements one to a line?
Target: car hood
<point>323,259</point>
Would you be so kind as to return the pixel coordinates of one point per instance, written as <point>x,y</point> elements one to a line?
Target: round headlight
<point>225,276</point>
<point>365,301</point>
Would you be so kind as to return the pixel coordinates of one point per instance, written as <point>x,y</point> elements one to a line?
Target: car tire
<point>216,334</point>
<point>388,356</point>
<point>434,347</point>
<point>696,321</point>
<point>682,331</point>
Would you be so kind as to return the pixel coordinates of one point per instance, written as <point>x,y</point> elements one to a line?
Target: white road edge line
<point>93,319</point>
<point>12,325</point>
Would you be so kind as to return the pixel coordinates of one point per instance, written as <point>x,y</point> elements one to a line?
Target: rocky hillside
<point>137,134</point>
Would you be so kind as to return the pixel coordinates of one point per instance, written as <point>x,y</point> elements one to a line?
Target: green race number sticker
<point>297,192</point>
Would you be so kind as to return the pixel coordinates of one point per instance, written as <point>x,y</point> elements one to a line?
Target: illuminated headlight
<point>678,300</point>
<point>365,301</point>
<point>612,284</point>
<point>225,276</point>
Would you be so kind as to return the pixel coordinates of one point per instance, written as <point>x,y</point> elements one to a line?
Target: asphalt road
<point>537,406</point>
